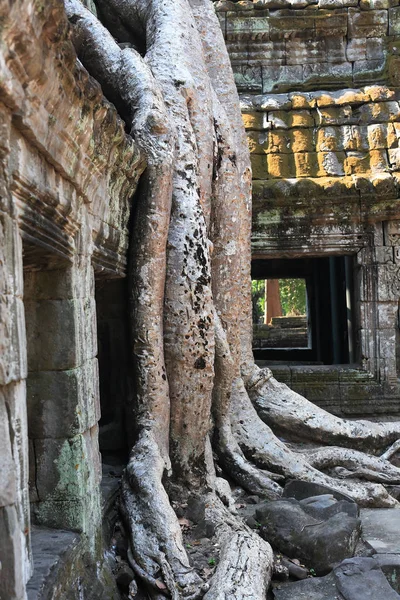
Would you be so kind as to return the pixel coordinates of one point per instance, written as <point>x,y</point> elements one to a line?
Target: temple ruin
<point>318,82</point>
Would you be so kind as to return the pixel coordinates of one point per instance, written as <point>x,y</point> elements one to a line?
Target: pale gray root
<point>352,463</point>
<point>259,443</point>
<point>246,560</point>
<point>157,554</point>
<point>391,451</point>
<point>230,456</point>
<point>292,415</point>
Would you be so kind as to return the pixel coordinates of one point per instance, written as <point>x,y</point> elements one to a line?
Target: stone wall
<point>67,175</point>
<point>318,82</point>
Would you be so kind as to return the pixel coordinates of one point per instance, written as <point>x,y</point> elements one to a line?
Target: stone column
<point>63,397</point>
<point>14,505</point>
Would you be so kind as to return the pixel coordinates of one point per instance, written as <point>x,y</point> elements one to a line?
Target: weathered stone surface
<point>11,552</point>
<point>361,578</point>
<point>321,541</point>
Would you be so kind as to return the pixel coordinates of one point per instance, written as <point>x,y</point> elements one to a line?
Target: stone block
<point>248,78</point>
<point>281,79</point>
<point>62,404</point>
<point>259,166</point>
<point>13,364</point>
<point>280,166</point>
<point>244,26</point>
<point>299,51</point>
<point>62,284</point>
<point>256,121</point>
<point>50,323</point>
<point>394,21</point>
<point>12,555</point>
<point>387,343</point>
<point>291,23</point>
<point>335,49</point>
<point>367,24</point>
<point>356,49</point>
<point>336,115</point>
<point>377,135</point>
<point>67,469</point>
<point>306,164</point>
<point>356,163</point>
<point>394,158</point>
<point>328,139</point>
<point>279,142</point>
<point>375,49</point>
<point>8,488</point>
<point>331,22</point>
<point>365,70</point>
<point>328,73</point>
<point>331,163</point>
<point>302,140</point>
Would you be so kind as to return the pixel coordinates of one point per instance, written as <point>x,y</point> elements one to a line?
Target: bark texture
<point>165,66</point>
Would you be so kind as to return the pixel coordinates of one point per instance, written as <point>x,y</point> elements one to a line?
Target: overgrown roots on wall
<point>164,64</point>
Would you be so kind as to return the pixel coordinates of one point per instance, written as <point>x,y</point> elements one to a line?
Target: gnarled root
<point>258,442</point>
<point>157,553</point>
<point>293,415</point>
<point>246,560</point>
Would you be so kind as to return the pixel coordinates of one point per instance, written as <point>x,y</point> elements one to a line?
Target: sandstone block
<point>299,51</point>
<point>331,163</point>
<point>387,315</point>
<point>13,366</point>
<point>332,23</point>
<point>394,158</point>
<point>280,165</point>
<point>377,135</point>
<point>62,404</point>
<point>256,121</point>
<point>394,21</point>
<point>302,140</point>
<point>328,73</point>
<point>356,49</point>
<point>259,166</point>
<point>367,24</point>
<point>50,323</point>
<point>248,78</point>
<point>268,102</point>
<point>356,163</point>
<point>248,26</point>
<point>328,139</point>
<point>306,164</point>
<point>11,555</point>
<point>278,80</point>
<point>8,488</point>
<point>279,142</point>
<point>365,70</point>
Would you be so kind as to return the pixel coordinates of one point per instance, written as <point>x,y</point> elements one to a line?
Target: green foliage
<point>293,297</point>
<point>258,299</point>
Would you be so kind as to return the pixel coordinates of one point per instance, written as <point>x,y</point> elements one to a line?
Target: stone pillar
<point>14,505</point>
<point>63,397</point>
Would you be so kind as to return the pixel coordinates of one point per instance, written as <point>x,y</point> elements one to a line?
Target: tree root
<point>293,415</point>
<point>246,560</point>
<point>157,553</point>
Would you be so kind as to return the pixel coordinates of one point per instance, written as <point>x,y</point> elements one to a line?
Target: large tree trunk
<point>196,382</point>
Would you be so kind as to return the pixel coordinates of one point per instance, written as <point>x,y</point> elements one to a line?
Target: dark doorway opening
<point>323,330</point>
<point>115,369</point>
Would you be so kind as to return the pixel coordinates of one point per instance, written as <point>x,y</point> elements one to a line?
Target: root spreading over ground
<point>199,396</point>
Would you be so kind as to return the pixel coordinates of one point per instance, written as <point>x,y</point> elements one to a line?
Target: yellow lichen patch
<point>378,161</point>
<point>328,139</point>
<point>377,134</point>
<point>306,164</point>
<point>280,165</point>
<point>356,163</point>
<point>259,166</point>
<point>302,140</point>
<point>279,142</point>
